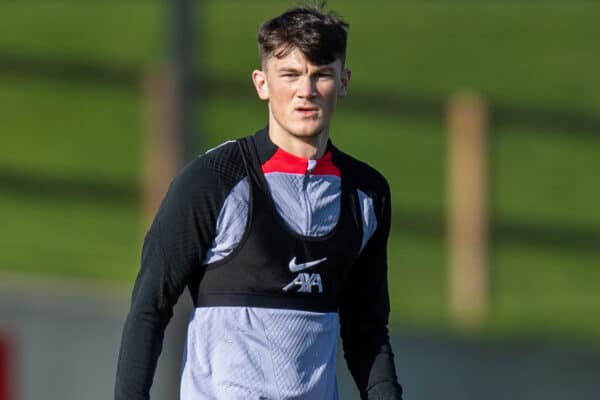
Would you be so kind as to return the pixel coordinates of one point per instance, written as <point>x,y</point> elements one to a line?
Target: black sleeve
<point>174,247</point>
<point>365,310</point>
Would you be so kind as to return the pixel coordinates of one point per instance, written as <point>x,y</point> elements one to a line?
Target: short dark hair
<point>320,36</point>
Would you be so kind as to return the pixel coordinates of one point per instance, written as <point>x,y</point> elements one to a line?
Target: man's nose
<point>307,87</point>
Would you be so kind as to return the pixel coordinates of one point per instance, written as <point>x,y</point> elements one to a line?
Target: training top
<point>280,254</point>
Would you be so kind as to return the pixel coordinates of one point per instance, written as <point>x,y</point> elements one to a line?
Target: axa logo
<point>304,281</point>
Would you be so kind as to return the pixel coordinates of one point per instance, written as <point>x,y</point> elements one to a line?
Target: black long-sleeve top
<point>254,348</point>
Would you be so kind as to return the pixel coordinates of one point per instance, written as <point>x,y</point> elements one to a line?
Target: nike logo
<point>300,267</point>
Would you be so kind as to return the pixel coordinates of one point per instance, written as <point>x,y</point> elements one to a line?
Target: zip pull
<point>309,168</point>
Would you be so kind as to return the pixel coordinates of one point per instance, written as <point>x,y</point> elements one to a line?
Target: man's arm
<point>153,298</point>
<point>174,247</point>
<point>364,315</point>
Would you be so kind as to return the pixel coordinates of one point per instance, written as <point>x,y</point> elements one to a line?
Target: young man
<point>280,238</point>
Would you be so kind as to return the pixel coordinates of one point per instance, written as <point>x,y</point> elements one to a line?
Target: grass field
<point>523,55</point>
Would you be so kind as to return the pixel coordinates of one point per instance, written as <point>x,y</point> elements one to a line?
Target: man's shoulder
<point>225,153</point>
<point>364,176</point>
<point>221,166</point>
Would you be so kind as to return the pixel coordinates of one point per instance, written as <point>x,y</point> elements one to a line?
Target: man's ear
<point>345,80</point>
<point>259,79</point>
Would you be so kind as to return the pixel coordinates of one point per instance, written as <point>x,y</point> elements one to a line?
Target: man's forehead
<point>294,58</point>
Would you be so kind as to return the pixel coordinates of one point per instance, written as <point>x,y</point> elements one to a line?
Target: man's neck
<point>310,148</point>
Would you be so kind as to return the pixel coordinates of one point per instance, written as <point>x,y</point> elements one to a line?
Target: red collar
<point>282,161</point>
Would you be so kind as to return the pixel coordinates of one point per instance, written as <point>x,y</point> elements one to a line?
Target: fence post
<point>164,156</point>
<point>467,214</point>
<point>163,153</point>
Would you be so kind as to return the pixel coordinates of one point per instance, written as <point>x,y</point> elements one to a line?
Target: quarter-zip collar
<point>275,159</point>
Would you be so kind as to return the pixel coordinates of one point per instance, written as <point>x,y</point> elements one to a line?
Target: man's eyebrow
<point>288,69</point>
<point>325,68</point>
<point>322,69</point>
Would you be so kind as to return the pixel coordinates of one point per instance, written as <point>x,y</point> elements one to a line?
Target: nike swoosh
<point>300,267</point>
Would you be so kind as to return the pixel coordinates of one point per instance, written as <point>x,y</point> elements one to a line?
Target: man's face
<point>302,96</point>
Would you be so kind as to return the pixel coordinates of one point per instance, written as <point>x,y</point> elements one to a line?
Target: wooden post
<point>163,152</point>
<point>467,217</point>
<point>168,94</point>
<point>164,156</point>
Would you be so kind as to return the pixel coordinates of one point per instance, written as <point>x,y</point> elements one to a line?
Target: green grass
<point>535,292</point>
<point>516,52</point>
<point>70,130</point>
<point>545,177</point>
<point>417,281</point>
<point>520,54</point>
<point>552,292</point>
<point>71,239</point>
<point>106,32</point>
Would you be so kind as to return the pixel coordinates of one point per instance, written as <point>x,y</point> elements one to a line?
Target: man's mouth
<point>307,111</point>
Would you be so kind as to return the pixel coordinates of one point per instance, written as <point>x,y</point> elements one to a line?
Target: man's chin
<point>308,132</point>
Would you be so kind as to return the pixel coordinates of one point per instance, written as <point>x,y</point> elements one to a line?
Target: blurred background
<point>494,263</point>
